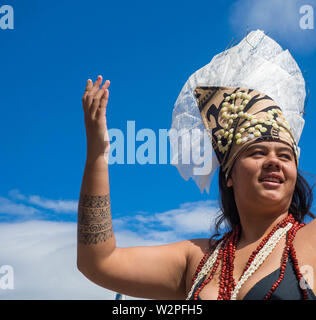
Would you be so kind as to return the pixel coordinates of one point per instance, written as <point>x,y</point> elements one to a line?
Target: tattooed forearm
<point>94,219</point>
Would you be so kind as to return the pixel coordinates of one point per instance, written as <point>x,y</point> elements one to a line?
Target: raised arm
<point>155,272</point>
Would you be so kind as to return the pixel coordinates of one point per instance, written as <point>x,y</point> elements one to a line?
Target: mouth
<point>274,182</point>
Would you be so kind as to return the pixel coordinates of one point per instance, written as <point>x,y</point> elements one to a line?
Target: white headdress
<point>257,62</point>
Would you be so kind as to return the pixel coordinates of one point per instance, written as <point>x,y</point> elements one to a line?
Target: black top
<point>289,288</point>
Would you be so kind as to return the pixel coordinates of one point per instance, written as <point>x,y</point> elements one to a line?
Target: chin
<point>272,196</point>
<point>263,193</point>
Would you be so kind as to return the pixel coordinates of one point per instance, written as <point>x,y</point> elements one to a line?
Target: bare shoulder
<point>308,233</point>
<point>305,245</point>
<point>198,246</point>
<point>196,250</point>
<point>305,242</point>
<point>310,229</point>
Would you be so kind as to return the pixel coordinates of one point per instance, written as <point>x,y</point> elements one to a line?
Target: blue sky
<point>147,50</point>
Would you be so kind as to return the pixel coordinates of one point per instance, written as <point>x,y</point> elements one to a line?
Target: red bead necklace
<point>226,255</point>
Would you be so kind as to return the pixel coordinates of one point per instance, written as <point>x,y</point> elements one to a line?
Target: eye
<point>287,156</point>
<point>257,152</point>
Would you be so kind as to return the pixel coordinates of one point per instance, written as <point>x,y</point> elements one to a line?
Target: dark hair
<point>300,206</point>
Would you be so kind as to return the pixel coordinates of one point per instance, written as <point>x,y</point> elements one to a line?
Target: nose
<point>272,161</point>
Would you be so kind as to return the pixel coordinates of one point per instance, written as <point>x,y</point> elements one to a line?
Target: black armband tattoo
<point>94,219</point>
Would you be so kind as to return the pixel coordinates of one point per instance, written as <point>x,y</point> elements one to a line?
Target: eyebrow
<point>264,147</point>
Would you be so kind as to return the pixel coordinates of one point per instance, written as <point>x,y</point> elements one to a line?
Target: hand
<point>94,102</point>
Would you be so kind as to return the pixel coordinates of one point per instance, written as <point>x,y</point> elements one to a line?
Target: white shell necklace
<point>255,264</point>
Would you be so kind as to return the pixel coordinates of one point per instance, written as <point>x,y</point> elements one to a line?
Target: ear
<point>229,182</point>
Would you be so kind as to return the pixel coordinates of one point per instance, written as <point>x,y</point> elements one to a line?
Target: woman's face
<point>264,175</point>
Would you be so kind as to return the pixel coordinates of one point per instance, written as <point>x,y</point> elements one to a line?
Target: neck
<point>255,227</point>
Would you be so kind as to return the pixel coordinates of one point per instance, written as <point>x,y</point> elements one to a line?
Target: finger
<point>96,102</point>
<point>89,86</point>
<point>105,96</point>
<point>97,98</point>
<point>101,111</point>
<point>93,91</point>
<point>96,85</point>
<point>100,93</point>
<point>107,84</point>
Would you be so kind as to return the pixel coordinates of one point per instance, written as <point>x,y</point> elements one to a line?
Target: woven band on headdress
<point>236,117</point>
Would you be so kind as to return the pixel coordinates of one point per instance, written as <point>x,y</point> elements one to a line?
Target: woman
<point>258,172</point>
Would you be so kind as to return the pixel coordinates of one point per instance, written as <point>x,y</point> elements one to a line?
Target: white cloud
<point>55,205</point>
<point>15,194</point>
<point>15,207</point>
<point>8,207</point>
<point>43,257</point>
<point>43,253</point>
<point>280,19</point>
<point>190,220</point>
